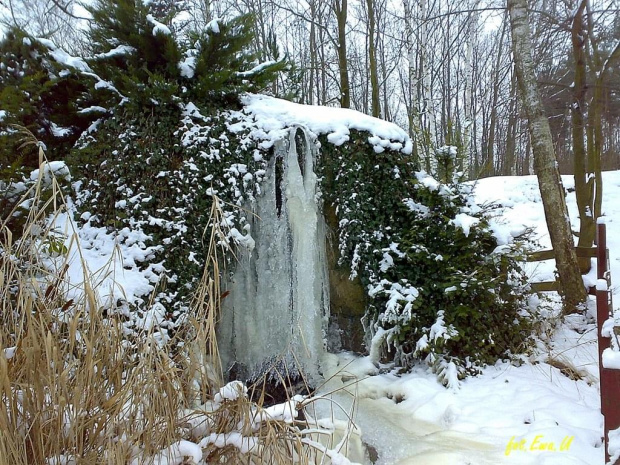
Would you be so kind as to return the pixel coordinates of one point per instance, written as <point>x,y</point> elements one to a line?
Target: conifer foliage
<point>136,62</point>
<point>129,110</point>
<point>220,54</point>
<point>134,51</point>
<point>41,95</point>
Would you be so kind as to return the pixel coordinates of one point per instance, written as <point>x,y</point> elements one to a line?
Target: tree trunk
<point>375,104</point>
<point>583,190</point>
<point>340,8</point>
<point>313,58</point>
<point>490,152</point>
<point>545,164</point>
<point>511,135</point>
<point>601,67</point>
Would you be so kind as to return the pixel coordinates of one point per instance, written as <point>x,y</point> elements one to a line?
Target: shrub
<point>158,177</point>
<point>440,284</point>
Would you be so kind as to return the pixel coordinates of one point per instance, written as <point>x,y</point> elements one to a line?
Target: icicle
<point>276,312</point>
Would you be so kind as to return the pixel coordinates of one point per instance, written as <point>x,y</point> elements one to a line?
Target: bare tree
<point>50,19</point>
<point>340,8</point>
<point>549,181</point>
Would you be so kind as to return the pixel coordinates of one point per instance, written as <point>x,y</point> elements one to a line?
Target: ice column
<point>277,309</point>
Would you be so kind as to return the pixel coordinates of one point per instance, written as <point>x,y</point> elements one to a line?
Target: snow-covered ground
<point>528,414</point>
<point>509,414</point>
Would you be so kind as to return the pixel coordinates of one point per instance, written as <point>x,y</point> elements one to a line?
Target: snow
<point>417,207</point>
<point>181,452</point>
<point>465,222</point>
<point>59,131</point>
<point>413,419</point>
<point>509,414</point>
<point>213,26</point>
<point>92,109</point>
<point>235,439</point>
<point>286,412</point>
<point>58,168</point>
<point>158,28</point>
<point>230,392</point>
<point>113,268</point>
<point>427,181</point>
<point>120,50</point>
<point>257,69</point>
<point>187,67</point>
<point>611,359</point>
<point>614,445</point>
<point>63,57</point>
<point>274,115</point>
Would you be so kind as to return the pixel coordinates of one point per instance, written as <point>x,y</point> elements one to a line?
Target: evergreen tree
<point>223,64</point>
<point>134,51</point>
<point>41,94</point>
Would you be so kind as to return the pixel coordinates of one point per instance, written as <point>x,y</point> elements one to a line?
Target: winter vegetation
<point>231,231</point>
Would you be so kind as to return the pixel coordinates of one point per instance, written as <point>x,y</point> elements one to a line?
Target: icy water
<point>397,436</point>
<point>277,309</point>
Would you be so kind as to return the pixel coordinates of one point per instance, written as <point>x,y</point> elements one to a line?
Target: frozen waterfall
<point>277,310</point>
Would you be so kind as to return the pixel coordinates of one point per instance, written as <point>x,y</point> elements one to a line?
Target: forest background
<point>442,70</point>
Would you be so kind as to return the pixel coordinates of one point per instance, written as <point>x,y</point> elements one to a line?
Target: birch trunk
<point>545,165</point>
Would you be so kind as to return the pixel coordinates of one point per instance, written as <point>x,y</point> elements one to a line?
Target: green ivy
<point>441,294</point>
<point>144,175</point>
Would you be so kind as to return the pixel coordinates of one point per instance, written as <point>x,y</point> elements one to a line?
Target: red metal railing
<point>609,378</point>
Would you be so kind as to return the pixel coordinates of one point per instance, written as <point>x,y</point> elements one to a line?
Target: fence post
<point>609,378</point>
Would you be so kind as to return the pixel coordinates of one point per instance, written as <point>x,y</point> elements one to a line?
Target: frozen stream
<point>398,436</point>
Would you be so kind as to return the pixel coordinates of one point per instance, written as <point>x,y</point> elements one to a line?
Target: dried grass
<point>75,389</point>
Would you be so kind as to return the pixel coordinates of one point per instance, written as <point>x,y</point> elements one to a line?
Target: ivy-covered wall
<point>438,285</point>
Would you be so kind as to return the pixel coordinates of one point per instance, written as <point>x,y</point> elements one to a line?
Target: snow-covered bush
<point>440,286</point>
<point>148,160</point>
<point>160,176</point>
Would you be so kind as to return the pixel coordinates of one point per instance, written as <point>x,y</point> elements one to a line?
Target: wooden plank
<point>541,255</point>
<point>586,251</point>
<point>545,286</point>
<point>554,286</point>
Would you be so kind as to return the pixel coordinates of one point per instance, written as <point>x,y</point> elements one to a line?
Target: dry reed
<point>76,389</point>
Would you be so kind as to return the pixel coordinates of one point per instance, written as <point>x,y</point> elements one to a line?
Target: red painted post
<point>609,378</point>
<point>601,250</point>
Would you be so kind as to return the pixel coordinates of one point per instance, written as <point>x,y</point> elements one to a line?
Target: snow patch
<point>63,57</point>
<point>274,115</point>
<point>465,222</point>
<point>158,28</point>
